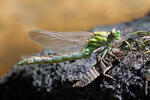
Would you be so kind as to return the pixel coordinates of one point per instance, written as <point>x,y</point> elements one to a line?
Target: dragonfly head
<point>115,33</point>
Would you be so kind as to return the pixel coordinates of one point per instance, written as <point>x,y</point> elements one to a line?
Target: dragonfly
<point>67,43</point>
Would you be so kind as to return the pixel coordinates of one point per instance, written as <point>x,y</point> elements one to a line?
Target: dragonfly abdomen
<point>87,78</point>
<point>53,59</point>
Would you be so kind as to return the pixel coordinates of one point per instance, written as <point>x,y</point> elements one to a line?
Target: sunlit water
<point>17,17</point>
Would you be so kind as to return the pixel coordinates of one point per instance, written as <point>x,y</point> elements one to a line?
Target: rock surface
<point>55,81</point>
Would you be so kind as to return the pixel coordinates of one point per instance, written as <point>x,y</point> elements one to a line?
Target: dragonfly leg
<point>98,50</point>
<point>104,68</point>
<point>104,53</point>
<point>113,55</point>
<point>106,62</point>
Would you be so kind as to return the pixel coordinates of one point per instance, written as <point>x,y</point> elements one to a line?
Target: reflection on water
<point>20,16</point>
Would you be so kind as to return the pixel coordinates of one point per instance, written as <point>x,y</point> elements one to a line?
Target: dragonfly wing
<point>60,41</point>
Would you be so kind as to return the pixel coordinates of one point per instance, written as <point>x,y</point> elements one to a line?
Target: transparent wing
<point>61,41</point>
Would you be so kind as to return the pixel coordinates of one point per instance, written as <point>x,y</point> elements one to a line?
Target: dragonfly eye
<point>113,30</point>
<point>115,33</point>
<point>118,35</point>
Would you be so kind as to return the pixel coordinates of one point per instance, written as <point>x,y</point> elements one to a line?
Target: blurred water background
<point>17,17</point>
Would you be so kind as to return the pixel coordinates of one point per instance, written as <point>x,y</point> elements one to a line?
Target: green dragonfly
<point>65,42</point>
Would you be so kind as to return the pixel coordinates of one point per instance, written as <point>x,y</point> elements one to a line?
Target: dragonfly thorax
<point>103,38</point>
